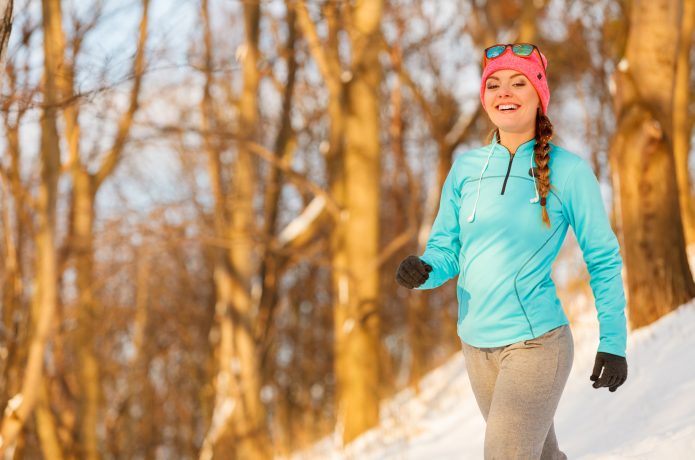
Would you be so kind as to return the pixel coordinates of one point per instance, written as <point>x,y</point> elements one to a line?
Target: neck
<point>512,141</point>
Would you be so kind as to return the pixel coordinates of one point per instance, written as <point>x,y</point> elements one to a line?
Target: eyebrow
<point>515,75</point>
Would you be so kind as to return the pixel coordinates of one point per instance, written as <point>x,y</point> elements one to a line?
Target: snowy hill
<point>652,416</point>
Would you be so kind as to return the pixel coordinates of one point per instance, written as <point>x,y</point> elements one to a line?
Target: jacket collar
<point>523,150</point>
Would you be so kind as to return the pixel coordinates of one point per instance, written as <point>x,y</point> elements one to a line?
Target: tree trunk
<point>353,166</point>
<point>85,187</point>
<point>83,214</point>
<point>658,275</point>
<point>46,426</point>
<point>681,121</point>
<point>238,428</point>
<point>44,301</point>
<point>139,380</point>
<point>225,399</point>
<point>357,331</point>
<point>326,57</point>
<point>270,270</point>
<point>14,225</point>
<point>5,26</point>
<point>248,423</point>
<point>82,247</point>
<point>528,30</point>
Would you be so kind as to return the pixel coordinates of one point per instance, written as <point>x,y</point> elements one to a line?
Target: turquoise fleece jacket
<point>489,232</point>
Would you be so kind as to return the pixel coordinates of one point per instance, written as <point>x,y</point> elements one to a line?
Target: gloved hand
<point>614,371</point>
<point>412,272</point>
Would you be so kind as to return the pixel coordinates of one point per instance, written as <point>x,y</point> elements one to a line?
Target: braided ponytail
<point>544,132</point>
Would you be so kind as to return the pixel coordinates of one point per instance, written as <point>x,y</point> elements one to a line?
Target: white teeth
<point>507,106</point>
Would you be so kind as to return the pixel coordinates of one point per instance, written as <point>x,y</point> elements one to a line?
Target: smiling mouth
<point>507,108</point>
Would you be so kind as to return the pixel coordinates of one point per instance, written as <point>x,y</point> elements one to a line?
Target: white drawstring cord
<point>475,206</point>
<point>535,185</point>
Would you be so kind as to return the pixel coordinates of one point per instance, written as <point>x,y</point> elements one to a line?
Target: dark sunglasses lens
<point>494,51</point>
<point>522,49</point>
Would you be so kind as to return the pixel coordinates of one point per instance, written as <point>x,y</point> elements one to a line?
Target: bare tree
<point>20,406</point>
<point>17,228</point>
<point>238,427</point>
<point>353,161</point>
<point>86,184</point>
<point>60,94</point>
<point>643,165</point>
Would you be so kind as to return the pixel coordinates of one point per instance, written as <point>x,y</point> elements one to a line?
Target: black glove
<point>614,371</point>
<point>412,272</point>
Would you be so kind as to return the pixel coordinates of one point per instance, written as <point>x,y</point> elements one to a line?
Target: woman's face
<point>511,102</point>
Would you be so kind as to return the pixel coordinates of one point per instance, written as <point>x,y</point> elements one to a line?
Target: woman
<point>504,212</point>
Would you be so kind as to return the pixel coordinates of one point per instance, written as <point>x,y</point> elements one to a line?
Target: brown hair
<point>544,132</point>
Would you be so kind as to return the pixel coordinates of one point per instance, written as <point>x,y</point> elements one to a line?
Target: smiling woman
<point>499,227</point>
<point>511,103</point>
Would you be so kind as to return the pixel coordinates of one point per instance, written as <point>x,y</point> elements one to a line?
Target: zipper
<point>509,168</point>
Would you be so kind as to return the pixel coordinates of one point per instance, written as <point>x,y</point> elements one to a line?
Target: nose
<point>504,91</point>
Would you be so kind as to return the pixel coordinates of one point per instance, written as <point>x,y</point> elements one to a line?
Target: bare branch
<point>114,155</point>
<point>295,176</point>
<point>329,68</point>
<point>5,26</point>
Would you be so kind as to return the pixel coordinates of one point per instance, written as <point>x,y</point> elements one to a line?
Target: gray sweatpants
<point>518,388</point>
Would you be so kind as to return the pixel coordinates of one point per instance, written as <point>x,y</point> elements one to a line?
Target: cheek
<point>532,97</point>
<point>488,98</point>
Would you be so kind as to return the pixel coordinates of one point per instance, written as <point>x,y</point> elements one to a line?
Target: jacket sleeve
<point>583,208</point>
<point>443,246</point>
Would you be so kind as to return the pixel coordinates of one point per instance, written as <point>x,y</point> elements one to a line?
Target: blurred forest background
<point>203,203</point>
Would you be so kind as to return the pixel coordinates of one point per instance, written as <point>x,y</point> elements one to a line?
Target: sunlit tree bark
<point>16,229</point>
<point>248,423</point>
<point>6,7</point>
<point>642,160</point>
<point>86,184</point>
<point>238,428</point>
<point>353,162</point>
<point>357,315</point>
<point>46,426</point>
<point>285,143</point>
<point>682,124</point>
<point>43,306</point>
<point>15,236</point>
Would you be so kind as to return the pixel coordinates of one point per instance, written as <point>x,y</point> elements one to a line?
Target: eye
<point>519,84</point>
<point>491,86</point>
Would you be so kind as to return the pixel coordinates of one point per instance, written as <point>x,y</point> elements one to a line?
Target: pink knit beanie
<point>531,66</point>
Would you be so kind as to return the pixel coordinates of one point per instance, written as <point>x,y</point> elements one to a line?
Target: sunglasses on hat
<point>519,49</point>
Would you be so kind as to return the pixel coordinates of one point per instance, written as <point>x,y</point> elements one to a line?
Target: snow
<point>652,416</point>
<point>300,224</point>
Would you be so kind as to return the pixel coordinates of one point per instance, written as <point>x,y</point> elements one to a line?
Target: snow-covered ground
<point>652,416</point>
